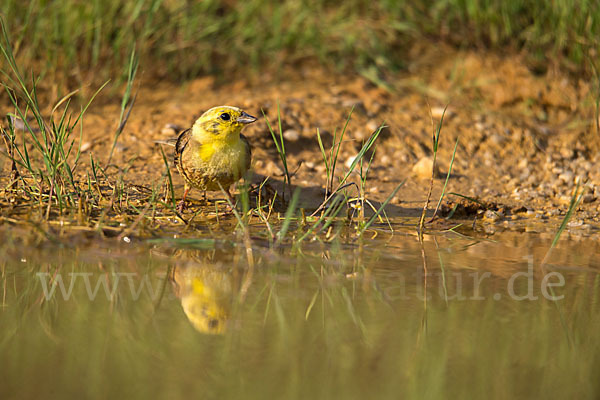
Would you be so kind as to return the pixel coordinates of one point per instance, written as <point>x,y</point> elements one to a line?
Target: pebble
<point>358,105</point>
<point>18,123</point>
<point>437,112</point>
<point>361,134</point>
<point>170,129</point>
<point>423,168</point>
<point>86,146</point>
<point>567,153</point>
<point>566,177</point>
<point>320,168</point>
<point>564,199</point>
<point>497,139</point>
<point>349,161</point>
<point>493,216</point>
<point>372,126</point>
<point>588,198</point>
<point>291,134</point>
<point>523,163</point>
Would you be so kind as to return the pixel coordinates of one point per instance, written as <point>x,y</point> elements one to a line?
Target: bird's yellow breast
<point>224,156</point>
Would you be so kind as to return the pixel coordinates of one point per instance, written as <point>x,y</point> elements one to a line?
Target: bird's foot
<point>181,206</point>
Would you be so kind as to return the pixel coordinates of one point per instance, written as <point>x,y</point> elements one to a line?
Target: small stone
<point>424,167</point>
<point>357,104</point>
<point>86,146</point>
<point>372,126</point>
<point>291,134</point>
<point>349,161</point>
<point>567,153</point>
<point>361,135</point>
<point>437,112</point>
<point>320,168</point>
<point>588,198</point>
<point>566,177</point>
<point>523,163</point>
<point>493,216</point>
<point>497,139</point>
<point>170,129</point>
<point>18,123</point>
<point>564,199</point>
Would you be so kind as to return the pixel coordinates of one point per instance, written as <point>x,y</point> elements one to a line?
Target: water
<point>462,315</point>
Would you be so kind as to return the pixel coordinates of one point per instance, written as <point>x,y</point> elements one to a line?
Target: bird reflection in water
<point>206,293</point>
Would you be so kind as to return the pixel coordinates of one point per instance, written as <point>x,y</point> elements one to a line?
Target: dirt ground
<point>524,139</point>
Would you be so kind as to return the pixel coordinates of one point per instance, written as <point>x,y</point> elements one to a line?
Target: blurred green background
<point>180,39</point>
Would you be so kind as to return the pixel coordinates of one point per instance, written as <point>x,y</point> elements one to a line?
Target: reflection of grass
<point>320,334</point>
<point>573,204</point>
<point>178,36</point>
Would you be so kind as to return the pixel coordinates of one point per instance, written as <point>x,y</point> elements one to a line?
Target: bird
<point>206,292</point>
<point>213,154</point>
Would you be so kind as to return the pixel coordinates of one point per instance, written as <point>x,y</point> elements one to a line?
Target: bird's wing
<point>182,140</point>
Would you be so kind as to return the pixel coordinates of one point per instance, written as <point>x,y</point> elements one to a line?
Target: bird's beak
<point>245,118</point>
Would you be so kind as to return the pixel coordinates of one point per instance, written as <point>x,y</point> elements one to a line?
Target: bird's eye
<point>225,116</point>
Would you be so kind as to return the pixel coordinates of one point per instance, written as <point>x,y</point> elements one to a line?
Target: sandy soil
<point>524,139</point>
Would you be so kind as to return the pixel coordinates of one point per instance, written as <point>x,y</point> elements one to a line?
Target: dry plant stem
<point>341,187</point>
<point>131,227</point>
<point>50,199</point>
<point>14,172</point>
<point>422,219</point>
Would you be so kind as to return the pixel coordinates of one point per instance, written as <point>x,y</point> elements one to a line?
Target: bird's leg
<point>230,197</point>
<point>204,196</point>
<point>181,204</point>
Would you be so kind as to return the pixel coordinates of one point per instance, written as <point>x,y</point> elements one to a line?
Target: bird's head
<point>221,123</point>
<point>206,293</point>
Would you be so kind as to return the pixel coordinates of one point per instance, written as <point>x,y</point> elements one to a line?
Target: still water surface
<point>464,315</point>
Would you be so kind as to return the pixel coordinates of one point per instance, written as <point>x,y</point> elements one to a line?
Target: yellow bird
<point>206,293</point>
<point>213,154</point>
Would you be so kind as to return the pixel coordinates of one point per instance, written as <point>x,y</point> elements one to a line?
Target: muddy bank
<point>524,140</point>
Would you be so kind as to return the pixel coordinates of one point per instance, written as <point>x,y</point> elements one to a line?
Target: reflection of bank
<point>206,293</point>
